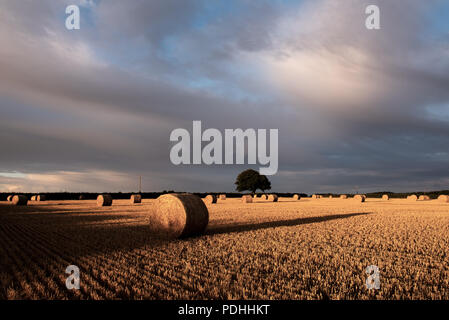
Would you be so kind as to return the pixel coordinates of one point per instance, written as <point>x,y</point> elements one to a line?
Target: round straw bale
<point>222,197</point>
<point>9,199</point>
<point>104,200</point>
<point>343,196</point>
<point>443,198</point>
<point>273,198</point>
<point>330,197</point>
<point>40,197</point>
<point>359,198</point>
<point>247,198</point>
<point>136,198</point>
<point>296,197</point>
<point>314,196</point>
<point>178,215</point>
<point>264,197</point>
<point>423,197</point>
<point>385,197</point>
<point>413,197</point>
<point>19,200</point>
<point>33,198</point>
<point>211,198</point>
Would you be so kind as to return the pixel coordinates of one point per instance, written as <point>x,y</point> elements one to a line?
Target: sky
<point>357,110</point>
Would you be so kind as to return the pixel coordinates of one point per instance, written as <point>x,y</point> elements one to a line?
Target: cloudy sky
<point>92,109</point>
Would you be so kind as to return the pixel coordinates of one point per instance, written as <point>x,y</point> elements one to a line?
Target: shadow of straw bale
<point>280,223</point>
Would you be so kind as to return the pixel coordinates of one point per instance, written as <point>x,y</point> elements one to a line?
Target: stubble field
<point>307,249</point>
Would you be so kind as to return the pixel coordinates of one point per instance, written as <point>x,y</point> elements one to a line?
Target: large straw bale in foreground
<point>385,197</point>
<point>136,198</point>
<point>247,198</point>
<point>19,200</point>
<point>104,200</point>
<point>273,198</point>
<point>296,197</point>
<point>178,215</point>
<point>211,198</point>
<point>443,198</point>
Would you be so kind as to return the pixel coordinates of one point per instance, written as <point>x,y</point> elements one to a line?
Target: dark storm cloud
<point>353,106</point>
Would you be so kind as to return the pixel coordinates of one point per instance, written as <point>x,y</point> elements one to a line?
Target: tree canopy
<point>251,180</point>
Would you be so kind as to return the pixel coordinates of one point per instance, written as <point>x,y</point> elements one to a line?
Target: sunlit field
<point>307,249</point>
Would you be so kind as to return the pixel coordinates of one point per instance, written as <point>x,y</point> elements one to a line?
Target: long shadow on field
<point>280,223</point>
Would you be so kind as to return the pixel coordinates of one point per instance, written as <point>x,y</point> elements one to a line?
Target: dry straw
<point>9,199</point>
<point>136,198</point>
<point>296,197</point>
<point>222,197</point>
<point>360,198</point>
<point>315,196</point>
<point>19,200</point>
<point>247,198</point>
<point>385,197</point>
<point>413,197</point>
<point>33,198</point>
<point>423,198</point>
<point>211,198</point>
<point>273,198</point>
<point>178,215</point>
<point>104,200</point>
<point>443,198</point>
<point>343,196</point>
<point>264,197</point>
<point>40,197</point>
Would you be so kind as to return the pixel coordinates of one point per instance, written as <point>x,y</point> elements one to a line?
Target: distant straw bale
<point>273,198</point>
<point>104,200</point>
<point>359,198</point>
<point>385,197</point>
<point>443,198</point>
<point>296,197</point>
<point>19,200</point>
<point>136,198</point>
<point>211,198</point>
<point>247,198</point>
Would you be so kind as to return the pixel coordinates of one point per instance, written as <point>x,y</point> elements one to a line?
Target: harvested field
<point>262,250</point>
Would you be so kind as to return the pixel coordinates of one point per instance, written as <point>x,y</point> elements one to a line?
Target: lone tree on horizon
<point>251,180</point>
